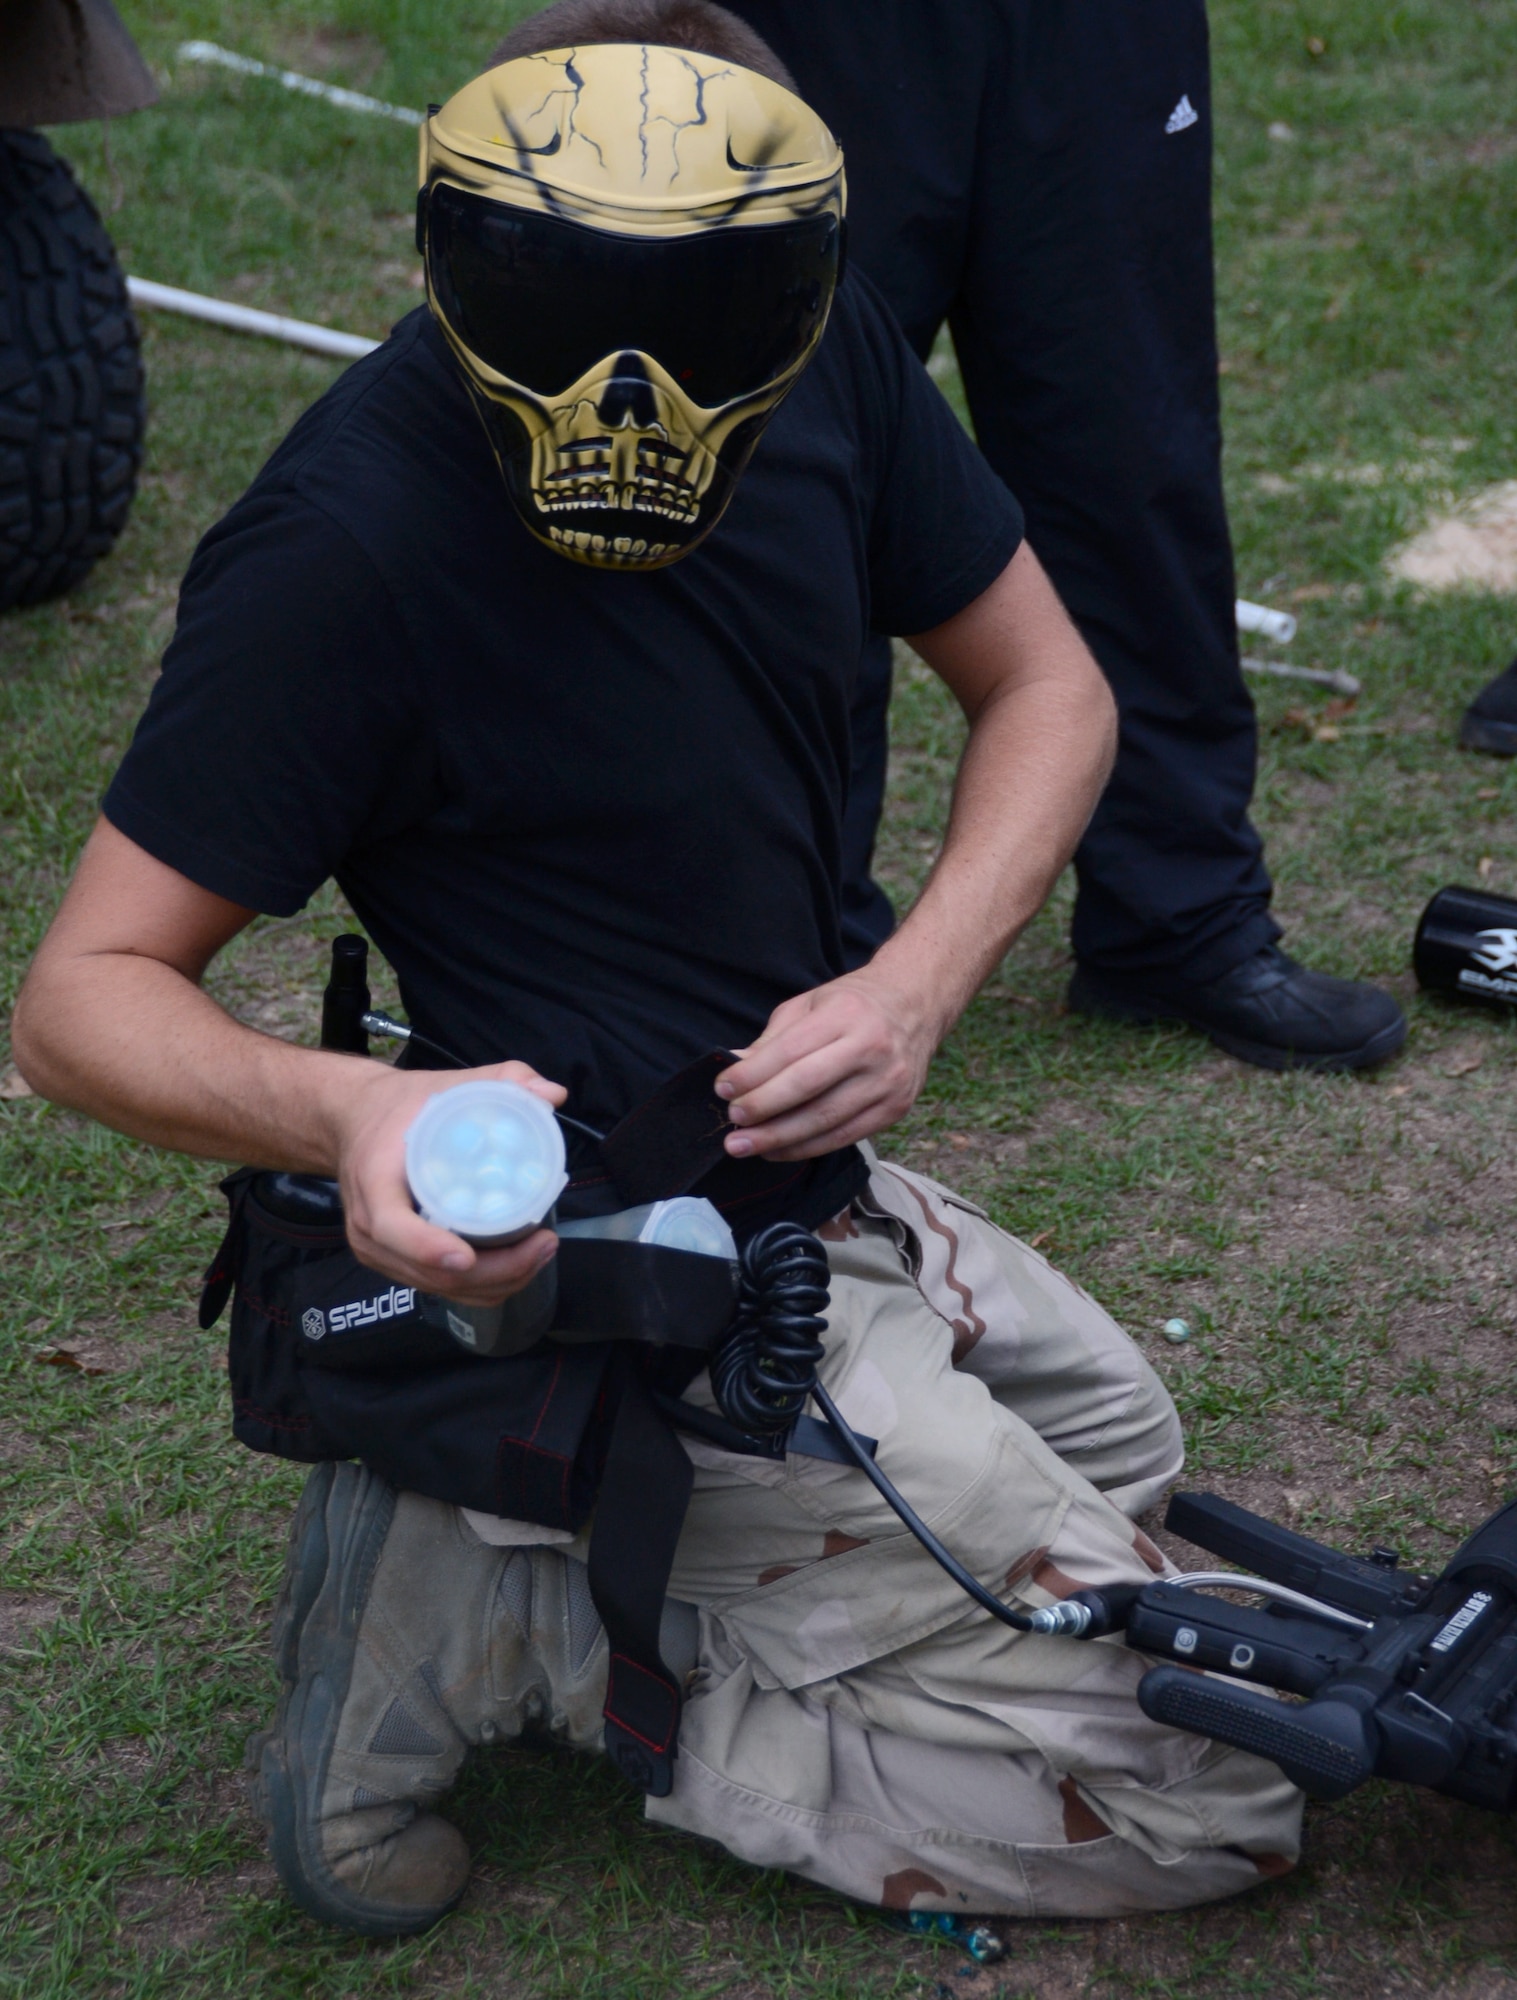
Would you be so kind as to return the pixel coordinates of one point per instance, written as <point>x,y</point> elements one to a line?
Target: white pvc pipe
<point>1336,679</point>
<point>291,79</point>
<point>244,319</point>
<point>1278,625</point>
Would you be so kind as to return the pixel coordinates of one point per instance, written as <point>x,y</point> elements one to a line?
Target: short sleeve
<point>943,525</point>
<point>281,734</point>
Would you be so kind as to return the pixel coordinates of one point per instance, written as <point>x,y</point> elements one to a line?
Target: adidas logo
<point>1183,115</point>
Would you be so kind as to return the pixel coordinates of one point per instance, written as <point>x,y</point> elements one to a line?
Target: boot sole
<point>345,1510</point>
<point>1379,1048</point>
<point>305,1571</point>
<point>1496,739</point>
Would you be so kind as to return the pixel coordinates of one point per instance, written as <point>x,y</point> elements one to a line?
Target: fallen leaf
<point>70,1355</point>
<point>1043,1236</point>
<point>1329,732</point>
<point>960,1141</point>
<point>13,1084</point>
<point>1398,1090</point>
<point>1340,705</point>
<point>1313,593</point>
<point>1466,1064</point>
<point>1489,792</point>
<point>1484,866</point>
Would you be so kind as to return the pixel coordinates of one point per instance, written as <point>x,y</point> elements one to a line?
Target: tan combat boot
<point>403,1639</point>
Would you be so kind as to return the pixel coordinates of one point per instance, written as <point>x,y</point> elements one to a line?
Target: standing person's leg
<point>1086,339</point>
<point>1085,332</point>
<point>902,93</point>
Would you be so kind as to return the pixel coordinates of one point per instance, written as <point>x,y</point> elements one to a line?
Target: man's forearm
<point>136,1044</point>
<point>127,1035</point>
<point>1033,768</point>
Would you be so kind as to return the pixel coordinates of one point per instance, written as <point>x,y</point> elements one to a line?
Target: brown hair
<point>697,25</point>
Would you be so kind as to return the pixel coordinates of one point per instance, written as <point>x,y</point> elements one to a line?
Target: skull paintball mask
<point>632,252</point>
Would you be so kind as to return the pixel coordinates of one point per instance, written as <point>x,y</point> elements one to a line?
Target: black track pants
<point>1037,173</point>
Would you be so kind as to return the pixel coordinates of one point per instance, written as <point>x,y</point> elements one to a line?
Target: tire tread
<point>72,410</point>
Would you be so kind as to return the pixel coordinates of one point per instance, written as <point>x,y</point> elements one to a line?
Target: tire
<point>71,402</point>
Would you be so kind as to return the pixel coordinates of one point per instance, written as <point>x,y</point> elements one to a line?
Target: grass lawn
<point>1343,1248</point>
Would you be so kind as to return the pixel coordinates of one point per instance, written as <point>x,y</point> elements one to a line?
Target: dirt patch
<point>1476,546</point>
<point>162,1913</point>
<point>123,1228</point>
<point>154,1914</point>
<point>336,55</point>
<point>23,1613</point>
<point>16,1448</point>
<point>131,1758</point>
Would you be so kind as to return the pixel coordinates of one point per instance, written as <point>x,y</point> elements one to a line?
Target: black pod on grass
<point>1466,946</point>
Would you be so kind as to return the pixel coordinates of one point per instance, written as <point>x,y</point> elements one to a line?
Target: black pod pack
<point>346,998</point>
<point>1466,945</point>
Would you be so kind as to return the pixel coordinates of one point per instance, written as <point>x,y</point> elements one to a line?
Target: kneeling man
<point>538,634</point>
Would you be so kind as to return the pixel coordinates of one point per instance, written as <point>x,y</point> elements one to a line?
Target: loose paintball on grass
<point>1339,1248</point>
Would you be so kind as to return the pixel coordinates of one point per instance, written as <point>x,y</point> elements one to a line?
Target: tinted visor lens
<point>540,300</point>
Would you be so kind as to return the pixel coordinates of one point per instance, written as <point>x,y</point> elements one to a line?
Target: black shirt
<point>591,819</point>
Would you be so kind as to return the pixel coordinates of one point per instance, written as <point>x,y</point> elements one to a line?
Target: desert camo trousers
<point>849,1719</point>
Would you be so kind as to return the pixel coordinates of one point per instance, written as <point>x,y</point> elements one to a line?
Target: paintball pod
<point>1404,1676</point>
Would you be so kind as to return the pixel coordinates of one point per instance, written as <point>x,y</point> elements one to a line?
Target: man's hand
<point>384,1230</point>
<point>832,1066</point>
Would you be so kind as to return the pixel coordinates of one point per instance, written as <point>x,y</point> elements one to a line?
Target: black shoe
<point>1268,1011</point>
<point>1490,721</point>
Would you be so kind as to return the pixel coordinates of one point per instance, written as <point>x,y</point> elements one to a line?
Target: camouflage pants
<point>850,1719</point>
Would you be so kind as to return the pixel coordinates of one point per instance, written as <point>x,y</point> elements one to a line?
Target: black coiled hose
<point>766,1369</point>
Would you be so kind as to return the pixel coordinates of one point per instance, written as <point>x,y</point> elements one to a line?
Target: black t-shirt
<point>591,819</point>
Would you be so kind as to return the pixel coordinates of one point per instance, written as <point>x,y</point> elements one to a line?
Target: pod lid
<point>485,1159</point>
<point>688,1223</point>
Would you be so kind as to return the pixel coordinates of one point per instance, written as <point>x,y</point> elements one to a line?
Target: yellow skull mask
<point>632,252</point>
